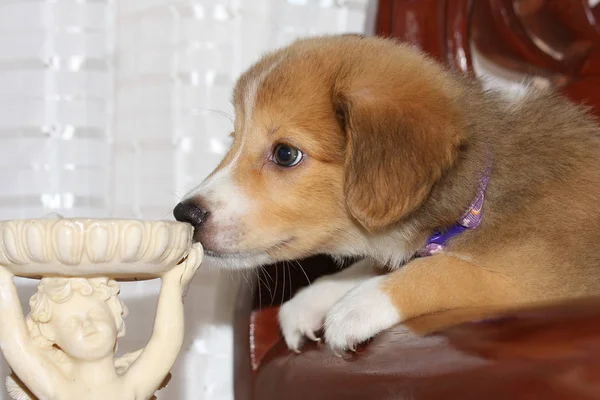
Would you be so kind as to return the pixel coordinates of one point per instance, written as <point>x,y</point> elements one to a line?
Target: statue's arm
<point>149,371</point>
<point>23,356</point>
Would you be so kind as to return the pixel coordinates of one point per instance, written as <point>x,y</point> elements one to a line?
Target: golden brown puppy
<point>364,147</point>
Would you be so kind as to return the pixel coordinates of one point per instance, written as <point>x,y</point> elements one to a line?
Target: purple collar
<point>470,219</point>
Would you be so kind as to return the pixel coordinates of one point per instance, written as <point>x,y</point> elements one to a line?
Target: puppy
<point>452,196</point>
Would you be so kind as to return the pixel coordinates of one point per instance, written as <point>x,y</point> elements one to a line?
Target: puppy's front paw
<point>303,315</point>
<point>299,318</point>
<point>358,316</point>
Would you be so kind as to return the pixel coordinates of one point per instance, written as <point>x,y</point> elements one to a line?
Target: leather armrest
<point>549,352</point>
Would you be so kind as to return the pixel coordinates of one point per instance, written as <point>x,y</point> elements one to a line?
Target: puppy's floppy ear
<point>397,148</point>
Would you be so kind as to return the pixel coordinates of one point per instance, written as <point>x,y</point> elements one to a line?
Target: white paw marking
<point>361,314</point>
<point>303,316</point>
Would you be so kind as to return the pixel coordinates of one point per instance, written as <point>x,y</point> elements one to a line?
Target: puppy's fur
<point>394,146</point>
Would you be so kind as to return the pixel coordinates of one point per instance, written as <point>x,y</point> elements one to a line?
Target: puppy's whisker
<point>220,112</point>
<point>267,274</point>
<point>284,282</point>
<point>230,276</point>
<point>303,271</point>
<point>268,283</point>
<point>259,289</point>
<point>264,281</point>
<point>246,279</point>
<point>276,279</point>
<point>178,197</point>
<point>291,286</point>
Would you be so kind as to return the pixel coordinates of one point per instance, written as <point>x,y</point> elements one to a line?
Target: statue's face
<point>83,327</point>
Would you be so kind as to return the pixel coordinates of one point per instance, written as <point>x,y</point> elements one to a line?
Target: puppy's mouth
<point>250,253</point>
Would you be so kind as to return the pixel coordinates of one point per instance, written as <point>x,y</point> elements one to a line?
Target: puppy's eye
<point>286,156</point>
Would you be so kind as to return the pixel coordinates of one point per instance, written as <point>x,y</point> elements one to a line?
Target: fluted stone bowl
<point>121,249</point>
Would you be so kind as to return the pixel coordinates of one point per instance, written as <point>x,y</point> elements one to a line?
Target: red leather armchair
<point>543,353</point>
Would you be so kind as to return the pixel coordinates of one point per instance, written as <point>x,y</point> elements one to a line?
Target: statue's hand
<point>183,273</point>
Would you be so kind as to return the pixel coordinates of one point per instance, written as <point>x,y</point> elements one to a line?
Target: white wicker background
<point>176,64</point>
<point>116,108</point>
<point>56,80</point>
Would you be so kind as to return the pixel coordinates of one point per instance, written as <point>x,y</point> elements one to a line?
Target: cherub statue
<point>65,349</point>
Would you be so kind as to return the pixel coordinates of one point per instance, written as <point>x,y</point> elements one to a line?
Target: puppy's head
<point>337,140</point>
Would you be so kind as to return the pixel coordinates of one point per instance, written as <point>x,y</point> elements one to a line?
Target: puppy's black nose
<point>190,213</point>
